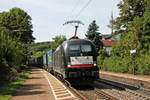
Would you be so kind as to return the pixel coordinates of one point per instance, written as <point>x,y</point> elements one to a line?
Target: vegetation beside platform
<point>140,65</point>
<point>133,24</point>
<point>7,89</point>
<point>15,36</point>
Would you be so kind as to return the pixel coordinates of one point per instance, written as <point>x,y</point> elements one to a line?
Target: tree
<point>57,41</point>
<point>10,50</point>
<point>15,35</point>
<point>139,28</point>
<point>97,41</point>
<point>145,35</point>
<point>134,22</point>
<point>93,35</point>
<point>92,30</point>
<point>129,9</point>
<point>39,49</point>
<point>18,22</point>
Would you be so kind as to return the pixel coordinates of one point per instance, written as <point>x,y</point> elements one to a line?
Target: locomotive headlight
<point>69,65</point>
<point>94,63</point>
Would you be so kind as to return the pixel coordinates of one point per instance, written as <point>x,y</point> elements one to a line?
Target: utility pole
<point>76,24</point>
<point>112,24</point>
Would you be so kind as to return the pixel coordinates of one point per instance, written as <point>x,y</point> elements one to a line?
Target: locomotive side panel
<point>49,60</point>
<point>44,61</point>
<point>59,60</point>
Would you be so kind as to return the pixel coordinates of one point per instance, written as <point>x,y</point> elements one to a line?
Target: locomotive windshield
<point>86,48</point>
<point>74,48</point>
<point>80,48</point>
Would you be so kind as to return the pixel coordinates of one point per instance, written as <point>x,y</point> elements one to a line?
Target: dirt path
<point>36,87</point>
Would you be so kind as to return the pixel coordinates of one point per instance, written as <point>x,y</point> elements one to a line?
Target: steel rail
<point>105,95</point>
<point>129,90</point>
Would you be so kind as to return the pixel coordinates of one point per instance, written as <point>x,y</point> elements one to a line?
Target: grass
<point>7,89</point>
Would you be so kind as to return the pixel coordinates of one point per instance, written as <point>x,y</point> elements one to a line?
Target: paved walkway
<point>35,88</point>
<point>130,76</point>
<point>142,81</point>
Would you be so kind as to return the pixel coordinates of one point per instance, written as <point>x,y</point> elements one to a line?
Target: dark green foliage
<point>8,88</point>
<point>101,58</point>
<point>18,23</point>
<point>116,64</point>
<point>97,41</point>
<point>15,35</point>
<point>128,10</point>
<point>92,30</point>
<point>38,49</point>
<point>57,41</point>
<point>10,51</point>
<point>143,64</point>
<point>93,35</point>
<point>39,46</point>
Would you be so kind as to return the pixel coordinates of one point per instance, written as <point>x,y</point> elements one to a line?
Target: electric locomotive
<point>75,60</point>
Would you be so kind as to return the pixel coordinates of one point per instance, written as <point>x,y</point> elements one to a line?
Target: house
<point>107,45</point>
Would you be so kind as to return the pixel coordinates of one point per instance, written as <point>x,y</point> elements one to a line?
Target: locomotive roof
<point>76,40</point>
<point>72,41</point>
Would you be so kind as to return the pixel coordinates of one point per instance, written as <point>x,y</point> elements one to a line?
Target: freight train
<point>74,60</point>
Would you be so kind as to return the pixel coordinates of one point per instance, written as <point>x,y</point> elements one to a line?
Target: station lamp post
<point>133,54</point>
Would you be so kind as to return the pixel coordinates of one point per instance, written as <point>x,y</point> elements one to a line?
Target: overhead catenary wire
<point>73,10</point>
<point>82,9</point>
<point>75,7</point>
<point>71,13</point>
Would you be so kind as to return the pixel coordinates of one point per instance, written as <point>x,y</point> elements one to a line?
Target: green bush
<point>143,64</point>
<point>115,64</point>
<point>133,65</point>
<point>11,56</point>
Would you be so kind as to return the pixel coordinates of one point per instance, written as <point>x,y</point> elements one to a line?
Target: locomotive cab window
<point>74,48</point>
<point>86,48</point>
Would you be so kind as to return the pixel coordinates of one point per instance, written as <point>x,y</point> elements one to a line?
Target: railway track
<point>126,91</point>
<point>92,93</point>
<point>82,97</point>
<point>104,95</point>
<point>97,94</point>
<point>100,90</point>
<point>79,95</point>
<point>109,91</point>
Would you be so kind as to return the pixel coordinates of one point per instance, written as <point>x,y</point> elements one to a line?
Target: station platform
<point>35,87</point>
<point>42,86</point>
<point>141,81</point>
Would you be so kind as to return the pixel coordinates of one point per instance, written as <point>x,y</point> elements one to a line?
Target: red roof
<point>107,43</point>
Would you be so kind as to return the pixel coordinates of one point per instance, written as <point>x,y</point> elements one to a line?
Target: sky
<point>48,16</point>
